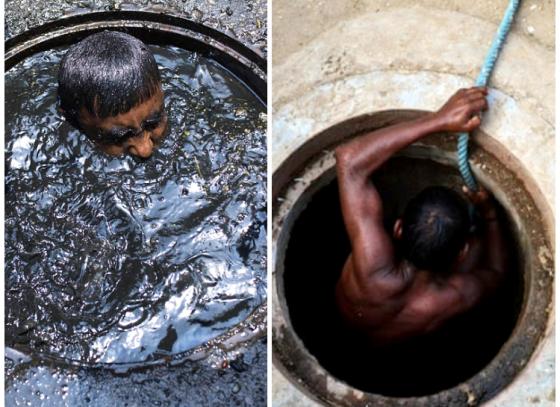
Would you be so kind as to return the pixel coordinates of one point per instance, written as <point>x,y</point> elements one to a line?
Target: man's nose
<point>142,146</point>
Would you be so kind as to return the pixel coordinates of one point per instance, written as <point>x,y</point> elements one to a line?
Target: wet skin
<point>388,298</point>
<point>136,132</point>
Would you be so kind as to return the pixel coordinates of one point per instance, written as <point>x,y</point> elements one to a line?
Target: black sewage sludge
<point>113,260</point>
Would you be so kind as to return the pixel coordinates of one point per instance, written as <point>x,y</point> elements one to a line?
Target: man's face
<point>136,132</point>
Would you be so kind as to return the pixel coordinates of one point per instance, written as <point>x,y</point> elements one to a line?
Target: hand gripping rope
<point>482,80</point>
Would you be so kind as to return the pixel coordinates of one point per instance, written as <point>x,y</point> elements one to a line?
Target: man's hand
<point>493,263</point>
<point>477,197</point>
<point>461,113</point>
<point>483,201</point>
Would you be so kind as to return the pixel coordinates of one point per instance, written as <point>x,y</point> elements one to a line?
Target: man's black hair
<point>107,73</point>
<point>435,228</point>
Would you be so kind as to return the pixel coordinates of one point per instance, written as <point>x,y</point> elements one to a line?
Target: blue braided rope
<point>482,80</point>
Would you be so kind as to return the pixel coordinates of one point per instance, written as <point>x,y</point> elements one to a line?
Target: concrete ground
<point>340,59</point>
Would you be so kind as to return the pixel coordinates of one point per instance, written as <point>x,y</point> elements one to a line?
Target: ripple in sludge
<point>113,260</point>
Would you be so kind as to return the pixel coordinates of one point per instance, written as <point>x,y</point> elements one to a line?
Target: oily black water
<point>117,260</point>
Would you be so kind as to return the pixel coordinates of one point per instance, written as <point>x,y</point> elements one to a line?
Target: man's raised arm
<point>372,248</point>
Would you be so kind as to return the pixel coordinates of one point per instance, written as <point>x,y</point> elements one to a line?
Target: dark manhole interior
<point>316,252</point>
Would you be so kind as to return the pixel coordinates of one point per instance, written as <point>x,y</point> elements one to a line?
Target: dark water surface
<point>113,260</point>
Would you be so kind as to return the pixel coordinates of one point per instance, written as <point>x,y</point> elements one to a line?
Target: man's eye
<point>128,134</point>
<point>120,137</point>
<point>152,124</point>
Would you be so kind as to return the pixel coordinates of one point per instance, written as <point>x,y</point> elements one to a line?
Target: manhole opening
<point>188,306</point>
<point>317,249</point>
<point>309,245</point>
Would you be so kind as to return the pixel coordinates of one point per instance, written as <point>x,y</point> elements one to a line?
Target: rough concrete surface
<point>341,59</point>
<point>308,18</point>
<point>284,394</point>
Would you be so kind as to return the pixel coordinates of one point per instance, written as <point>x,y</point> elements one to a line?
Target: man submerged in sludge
<point>431,268</point>
<point>109,87</point>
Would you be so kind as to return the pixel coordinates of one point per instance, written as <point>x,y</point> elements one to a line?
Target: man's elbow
<point>344,160</point>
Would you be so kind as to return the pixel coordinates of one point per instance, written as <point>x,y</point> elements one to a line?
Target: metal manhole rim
<point>248,65</point>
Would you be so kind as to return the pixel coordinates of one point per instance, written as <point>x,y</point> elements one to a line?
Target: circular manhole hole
<point>466,362</point>
<point>118,262</point>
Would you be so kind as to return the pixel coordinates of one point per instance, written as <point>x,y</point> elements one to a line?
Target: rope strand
<point>482,80</point>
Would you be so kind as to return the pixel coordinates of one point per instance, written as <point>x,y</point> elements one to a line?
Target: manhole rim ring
<point>284,336</point>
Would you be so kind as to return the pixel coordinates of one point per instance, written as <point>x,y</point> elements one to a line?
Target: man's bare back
<point>385,294</point>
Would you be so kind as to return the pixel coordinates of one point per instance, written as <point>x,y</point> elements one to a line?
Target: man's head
<point>434,229</point>
<point>110,88</point>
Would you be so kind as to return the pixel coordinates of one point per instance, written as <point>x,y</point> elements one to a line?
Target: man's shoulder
<point>379,285</point>
<point>433,294</point>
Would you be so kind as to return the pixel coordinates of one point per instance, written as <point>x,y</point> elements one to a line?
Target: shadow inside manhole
<point>317,249</point>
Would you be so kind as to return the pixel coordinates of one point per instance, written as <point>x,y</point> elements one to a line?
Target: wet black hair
<point>107,73</point>
<point>435,226</point>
